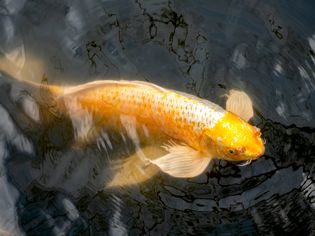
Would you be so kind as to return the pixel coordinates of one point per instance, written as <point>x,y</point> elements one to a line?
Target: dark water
<point>50,186</point>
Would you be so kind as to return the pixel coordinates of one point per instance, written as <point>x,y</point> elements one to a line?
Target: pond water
<point>51,184</point>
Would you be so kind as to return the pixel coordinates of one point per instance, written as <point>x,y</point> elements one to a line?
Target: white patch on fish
<point>82,120</point>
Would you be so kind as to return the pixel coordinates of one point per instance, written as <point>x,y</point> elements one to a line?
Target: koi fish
<point>192,131</point>
<point>199,129</point>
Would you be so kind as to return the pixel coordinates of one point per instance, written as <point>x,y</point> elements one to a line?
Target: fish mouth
<point>239,162</point>
<point>261,153</point>
<point>244,163</point>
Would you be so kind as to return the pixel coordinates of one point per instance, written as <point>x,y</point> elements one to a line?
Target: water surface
<point>51,186</point>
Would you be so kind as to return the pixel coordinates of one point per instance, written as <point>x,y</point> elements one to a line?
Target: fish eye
<point>231,151</point>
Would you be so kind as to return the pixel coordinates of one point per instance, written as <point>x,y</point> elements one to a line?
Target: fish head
<point>233,139</point>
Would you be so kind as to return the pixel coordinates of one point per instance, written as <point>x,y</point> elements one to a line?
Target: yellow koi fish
<point>199,129</point>
<point>191,131</point>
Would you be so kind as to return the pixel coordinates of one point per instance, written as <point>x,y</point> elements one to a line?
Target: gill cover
<point>232,137</point>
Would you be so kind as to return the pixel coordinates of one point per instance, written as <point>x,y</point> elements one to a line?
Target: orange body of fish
<point>200,130</point>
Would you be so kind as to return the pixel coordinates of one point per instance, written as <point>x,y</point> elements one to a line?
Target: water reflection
<point>51,186</point>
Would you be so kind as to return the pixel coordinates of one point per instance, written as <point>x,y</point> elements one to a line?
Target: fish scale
<point>179,115</point>
<point>176,114</point>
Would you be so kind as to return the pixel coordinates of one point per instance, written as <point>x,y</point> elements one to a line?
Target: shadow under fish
<point>170,131</point>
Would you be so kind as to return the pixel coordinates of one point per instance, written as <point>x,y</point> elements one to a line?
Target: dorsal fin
<point>99,83</point>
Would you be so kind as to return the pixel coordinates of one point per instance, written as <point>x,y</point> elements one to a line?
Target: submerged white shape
<point>107,140</point>
<point>116,226</point>
<point>311,41</point>
<point>280,109</point>
<point>6,125</point>
<point>9,195</point>
<point>17,56</point>
<point>23,144</point>
<point>101,144</point>
<point>308,187</point>
<point>30,108</point>
<point>308,81</point>
<point>303,72</point>
<point>11,134</point>
<point>72,211</point>
<point>239,59</point>
<point>74,19</point>
<point>278,68</point>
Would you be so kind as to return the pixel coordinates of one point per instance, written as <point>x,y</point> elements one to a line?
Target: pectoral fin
<point>240,104</point>
<point>182,161</point>
<point>176,160</point>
